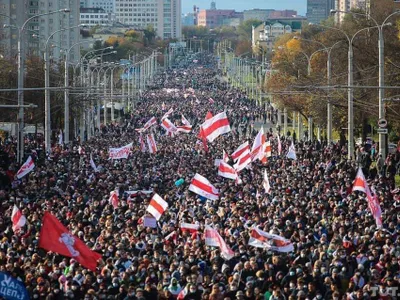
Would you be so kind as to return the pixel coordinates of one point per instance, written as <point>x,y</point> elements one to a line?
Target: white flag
<point>93,164</point>
<point>266,184</point>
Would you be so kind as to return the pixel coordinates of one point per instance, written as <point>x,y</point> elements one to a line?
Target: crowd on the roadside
<point>339,253</point>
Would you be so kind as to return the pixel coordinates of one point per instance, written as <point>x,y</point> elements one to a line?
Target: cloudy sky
<point>240,5</point>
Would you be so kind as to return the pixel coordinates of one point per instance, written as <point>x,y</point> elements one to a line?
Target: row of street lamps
<point>136,81</point>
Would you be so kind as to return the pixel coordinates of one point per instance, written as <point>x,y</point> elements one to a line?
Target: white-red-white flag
<point>268,150</point>
<point>201,186</point>
<point>151,142</point>
<point>214,239</point>
<point>185,121</point>
<point>184,128</point>
<point>142,144</point>
<point>211,100</point>
<point>192,228</point>
<point>114,199</point>
<point>93,165</point>
<point>258,149</point>
<point>169,126</point>
<point>157,206</point>
<point>18,219</point>
<point>227,171</point>
<point>148,124</point>
<point>216,126</point>
<point>27,167</point>
<point>279,144</point>
<point>240,150</point>
<point>167,114</point>
<point>243,161</point>
<point>225,156</point>
<point>360,184</point>
<point>266,184</point>
<point>272,242</point>
<point>292,152</point>
<point>122,152</point>
<point>172,236</point>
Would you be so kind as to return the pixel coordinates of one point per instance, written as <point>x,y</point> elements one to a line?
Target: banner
<point>11,288</point>
<point>117,153</point>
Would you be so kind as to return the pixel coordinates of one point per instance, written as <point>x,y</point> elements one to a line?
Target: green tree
<point>244,30</point>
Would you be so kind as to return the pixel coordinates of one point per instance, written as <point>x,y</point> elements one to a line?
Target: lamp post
<point>21,81</point>
<point>328,77</point>
<point>381,46</point>
<point>66,92</point>
<point>47,104</point>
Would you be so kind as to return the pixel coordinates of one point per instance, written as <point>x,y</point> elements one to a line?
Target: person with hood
<point>174,287</point>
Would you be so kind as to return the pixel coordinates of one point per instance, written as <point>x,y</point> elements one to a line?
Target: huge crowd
<point>339,253</point>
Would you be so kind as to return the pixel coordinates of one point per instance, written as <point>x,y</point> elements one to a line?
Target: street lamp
<point>328,77</point>
<point>21,82</point>
<point>381,45</point>
<point>47,104</point>
<point>66,92</point>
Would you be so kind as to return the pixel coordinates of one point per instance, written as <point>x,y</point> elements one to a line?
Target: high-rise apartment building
<point>319,10</point>
<point>164,15</point>
<point>107,5</point>
<point>39,29</point>
<point>347,5</point>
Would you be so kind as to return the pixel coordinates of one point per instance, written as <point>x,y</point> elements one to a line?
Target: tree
<point>244,30</point>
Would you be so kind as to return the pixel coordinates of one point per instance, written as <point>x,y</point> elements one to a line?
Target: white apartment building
<point>95,17</point>
<point>107,5</point>
<point>41,27</point>
<point>163,15</point>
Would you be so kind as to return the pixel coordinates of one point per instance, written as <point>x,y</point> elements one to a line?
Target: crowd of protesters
<point>339,253</point>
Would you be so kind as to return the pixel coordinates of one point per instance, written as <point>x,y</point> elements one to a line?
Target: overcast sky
<point>240,5</point>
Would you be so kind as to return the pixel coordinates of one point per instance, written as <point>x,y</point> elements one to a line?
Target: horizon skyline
<point>239,5</point>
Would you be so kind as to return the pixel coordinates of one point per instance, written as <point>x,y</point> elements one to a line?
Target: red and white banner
<point>93,165</point>
<point>266,184</point>
<point>201,186</point>
<point>170,111</point>
<point>148,124</point>
<point>258,149</point>
<point>292,152</point>
<point>142,144</point>
<point>169,126</point>
<point>56,238</point>
<point>118,153</point>
<point>243,161</point>
<point>209,115</point>
<point>189,227</point>
<point>27,167</point>
<point>361,185</point>
<point>213,239</point>
<point>216,126</point>
<point>18,219</point>
<point>114,199</point>
<point>279,144</point>
<point>227,171</point>
<point>211,100</point>
<point>151,142</point>
<point>240,150</point>
<point>272,242</point>
<point>157,206</point>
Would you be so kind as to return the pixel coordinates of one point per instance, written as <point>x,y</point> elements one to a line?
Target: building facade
<point>213,18</point>
<point>95,17</point>
<point>257,14</point>
<point>39,29</point>
<point>287,13</point>
<point>265,35</point>
<point>164,15</point>
<point>319,10</point>
<point>107,5</point>
<point>188,19</point>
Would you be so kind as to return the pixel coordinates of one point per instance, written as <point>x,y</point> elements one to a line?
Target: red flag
<point>114,199</point>
<point>203,138</point>
<point>209,115</point>
<point>56,238</point>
